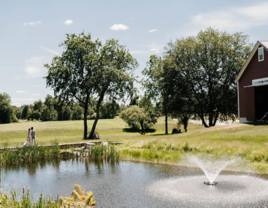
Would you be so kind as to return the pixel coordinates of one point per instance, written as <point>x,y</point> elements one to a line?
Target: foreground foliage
<point>35,153</point>
<point>16,199</point>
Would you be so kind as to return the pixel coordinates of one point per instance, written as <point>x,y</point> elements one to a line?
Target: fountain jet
<point>211,168</point>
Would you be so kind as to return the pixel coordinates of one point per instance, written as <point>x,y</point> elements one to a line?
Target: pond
<point>133,184</point>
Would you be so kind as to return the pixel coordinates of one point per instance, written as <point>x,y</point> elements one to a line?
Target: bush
<point>137,118</point>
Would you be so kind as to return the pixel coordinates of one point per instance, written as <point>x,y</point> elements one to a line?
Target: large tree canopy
<point>201,73</point>
<point>208,65</point>
<point>88,69</point>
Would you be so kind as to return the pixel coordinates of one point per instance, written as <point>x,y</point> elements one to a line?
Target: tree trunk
<point>142,129</point>
<point>97,114</point>
<point>216,118</point>
<point>85,121</point>
<point>185,123</point>
<point>94,124</point>
<point>210,119</point>
<point>166,123</point>
<point>203,121</point>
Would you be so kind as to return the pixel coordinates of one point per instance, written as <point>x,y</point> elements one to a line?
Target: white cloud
<point>20,91</point>
<point>155,50</point>
<point>119,27</point>
<point>35,66</point>
<point>130,18</point>
<point>50,51</point>
<point>68,22</point>
<point>36,94</point>
<point>234,19</point>
<point>153,30</point>
<point>32,23</point>
<point>258,11</point>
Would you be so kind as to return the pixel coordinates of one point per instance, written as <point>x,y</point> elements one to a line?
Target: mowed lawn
<point>64,131</point>
<point>242,140</point>
<point>235,135</point>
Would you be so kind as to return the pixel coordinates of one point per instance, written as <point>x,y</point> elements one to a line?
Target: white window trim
<point>258,80</point>
<point>259,54</point>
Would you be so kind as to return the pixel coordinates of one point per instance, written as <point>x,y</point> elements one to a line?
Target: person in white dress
<point>27,142</point>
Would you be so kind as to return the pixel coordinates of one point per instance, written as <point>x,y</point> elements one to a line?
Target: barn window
<point>260,54</point>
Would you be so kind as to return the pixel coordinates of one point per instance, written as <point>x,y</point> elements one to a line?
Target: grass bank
<point>35,153</point>
<point>240,140</point>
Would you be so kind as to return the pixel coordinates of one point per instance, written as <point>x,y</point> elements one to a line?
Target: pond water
<point>133,184</point>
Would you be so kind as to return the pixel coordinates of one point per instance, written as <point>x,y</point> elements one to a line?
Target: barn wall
<point>255,70</point>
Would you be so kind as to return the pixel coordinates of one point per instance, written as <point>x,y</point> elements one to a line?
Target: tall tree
<point>207,65</point>
<point>87,68</point>
<point>158,85</point>
<point>24,112</point>
<point>115,77</point>
<point>45,113</point>
<point>37,106</point>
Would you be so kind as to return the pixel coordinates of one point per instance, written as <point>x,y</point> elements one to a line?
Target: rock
<point>105,144</point>
<point>176,131</point>
<point>88,144</point>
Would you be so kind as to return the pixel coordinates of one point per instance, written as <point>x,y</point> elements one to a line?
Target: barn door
<point>250,96</point>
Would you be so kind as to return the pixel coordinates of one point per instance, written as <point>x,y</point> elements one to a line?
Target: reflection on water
<point>115,184</point>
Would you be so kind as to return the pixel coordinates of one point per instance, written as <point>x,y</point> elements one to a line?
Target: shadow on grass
<point>257,123</point>
<point>130,130</point>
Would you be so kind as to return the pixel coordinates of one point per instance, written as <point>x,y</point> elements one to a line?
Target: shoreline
<point>182,164</point>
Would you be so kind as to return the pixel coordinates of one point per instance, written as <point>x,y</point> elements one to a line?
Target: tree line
<point>194,78</point>
<point>52,110</point>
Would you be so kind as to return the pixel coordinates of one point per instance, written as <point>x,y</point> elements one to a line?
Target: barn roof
<point>258,44</point>
<point>265,44</point>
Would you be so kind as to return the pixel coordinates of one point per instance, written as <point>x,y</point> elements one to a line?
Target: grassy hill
<point>247,141</point>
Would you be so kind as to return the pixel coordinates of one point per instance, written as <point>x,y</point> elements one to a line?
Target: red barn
<point>252,82</point>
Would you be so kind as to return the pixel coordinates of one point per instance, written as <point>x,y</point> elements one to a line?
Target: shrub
<point>137,118</point>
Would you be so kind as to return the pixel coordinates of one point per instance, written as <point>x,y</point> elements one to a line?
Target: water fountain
<point>211,168</point>
<point>231,190</point>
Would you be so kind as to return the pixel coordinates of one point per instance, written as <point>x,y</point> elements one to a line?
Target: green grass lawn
<point>247,141</point>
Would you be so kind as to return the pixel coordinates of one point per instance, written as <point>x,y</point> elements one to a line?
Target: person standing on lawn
<point>33,133</point>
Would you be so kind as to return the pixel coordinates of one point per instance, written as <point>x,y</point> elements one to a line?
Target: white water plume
<point>211,168</point>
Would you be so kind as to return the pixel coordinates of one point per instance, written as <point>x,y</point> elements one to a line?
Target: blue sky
<point>31,31</point>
